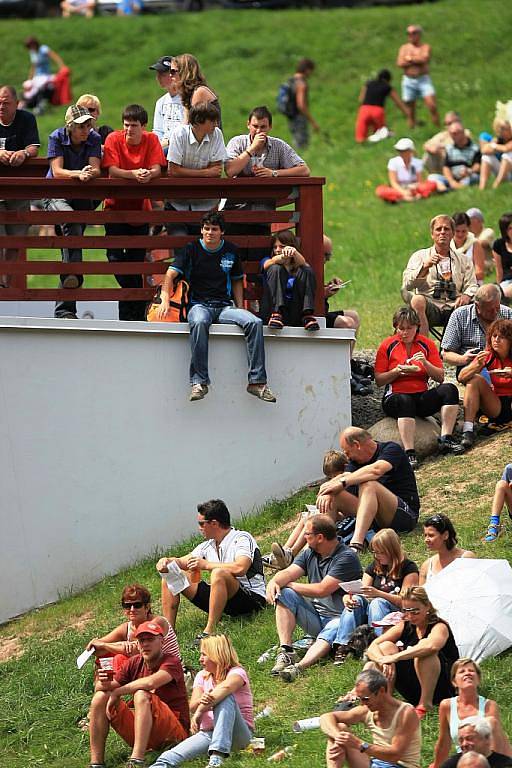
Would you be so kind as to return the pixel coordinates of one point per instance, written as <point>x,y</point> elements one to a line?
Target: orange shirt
<point>392,352</point>
<point>129,157</point>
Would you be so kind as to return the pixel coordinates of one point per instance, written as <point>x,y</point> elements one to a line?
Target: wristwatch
<point>274,174</point>
<point>343,483</point>
<point>364,746</point>
<point>27,154</point>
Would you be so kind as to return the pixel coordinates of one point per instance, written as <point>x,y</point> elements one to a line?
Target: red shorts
<point>166,729</point>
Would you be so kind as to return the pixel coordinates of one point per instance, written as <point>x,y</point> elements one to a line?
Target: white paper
<point>311,509</point>
<point>353,587</point>
<point>85,656</point>
<point>175,579</point>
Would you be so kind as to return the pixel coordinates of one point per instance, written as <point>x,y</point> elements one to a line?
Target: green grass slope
<point>247,54</point>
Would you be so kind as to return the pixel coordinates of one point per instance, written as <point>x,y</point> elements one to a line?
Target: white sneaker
<point>379,135</point>
<point>197,392</point>
<point>284,659</point>
<point>215,761</point>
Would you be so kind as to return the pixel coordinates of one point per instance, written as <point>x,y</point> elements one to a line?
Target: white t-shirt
<point>169,114</point>
<point>405,175</point>
<point>236,544</point>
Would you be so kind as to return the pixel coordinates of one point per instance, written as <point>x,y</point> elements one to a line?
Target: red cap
<point>149,628</point>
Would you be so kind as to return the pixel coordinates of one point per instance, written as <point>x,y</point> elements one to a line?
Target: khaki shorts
<point>437,317</point>
<point>14,205</point>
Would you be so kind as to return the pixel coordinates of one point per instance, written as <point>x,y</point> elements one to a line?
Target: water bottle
<point>281,754</point>
<point>266,712</point>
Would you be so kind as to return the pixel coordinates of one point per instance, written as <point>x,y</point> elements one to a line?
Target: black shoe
<point>358,388</point>
<point>468,439</point>
<point>361,368</point>
<point>413,461</point>
<point>448,444</point>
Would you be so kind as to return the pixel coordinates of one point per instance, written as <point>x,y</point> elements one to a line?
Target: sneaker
<point>215,761</point>
<point>262,392</point>
<point>134,762</point>
<point>468,439</point>
<point>197,392</point>
<point>283,556</point>
<point>284,659</point>
<point>448,444</point>
<point>269,561</point>
<point>340,657</point>
<point>413,460</point>
<point>291,673</point>
<point>70,281</point>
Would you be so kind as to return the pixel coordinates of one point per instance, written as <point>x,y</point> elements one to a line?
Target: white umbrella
<point>475,598</point>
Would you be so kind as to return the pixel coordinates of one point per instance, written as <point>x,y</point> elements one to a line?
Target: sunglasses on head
<point>132,604</point>
<point>413,611</point>
<point>435,520</point>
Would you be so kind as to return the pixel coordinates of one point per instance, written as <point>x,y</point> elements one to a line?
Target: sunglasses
<point>174,71</point>
<point>132,604</point>
<point>363,699</point>
<point>436,520</point>
<point>413,611</point>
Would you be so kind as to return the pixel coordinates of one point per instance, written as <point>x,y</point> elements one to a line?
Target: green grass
<point>245,56</point>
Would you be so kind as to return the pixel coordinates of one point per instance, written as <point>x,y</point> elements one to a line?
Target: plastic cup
<point>106,664</point>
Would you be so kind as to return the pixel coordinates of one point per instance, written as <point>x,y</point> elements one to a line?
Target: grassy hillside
<point>245,56</point>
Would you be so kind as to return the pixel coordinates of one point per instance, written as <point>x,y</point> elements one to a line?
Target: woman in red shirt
<point>488,380</point>
<point>404,364</point>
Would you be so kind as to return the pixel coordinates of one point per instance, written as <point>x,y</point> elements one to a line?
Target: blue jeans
<point>337,630</point>
<point>201,316</point>
<point>230,732</point>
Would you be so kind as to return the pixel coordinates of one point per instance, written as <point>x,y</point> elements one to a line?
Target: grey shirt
<point>343,565</point>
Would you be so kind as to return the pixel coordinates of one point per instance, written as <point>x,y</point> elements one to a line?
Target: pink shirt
<point>243,696</point>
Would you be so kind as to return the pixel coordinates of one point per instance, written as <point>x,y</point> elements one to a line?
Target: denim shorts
<point>417,87</point>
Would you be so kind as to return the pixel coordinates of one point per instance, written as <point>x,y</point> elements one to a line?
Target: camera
<point>446,287</point>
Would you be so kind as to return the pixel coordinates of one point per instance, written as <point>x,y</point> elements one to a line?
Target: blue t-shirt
<point>209,273</point>
<point>40,60</point>
<point>343,565</point>
<point>59,145</point>
<point>400,479</point>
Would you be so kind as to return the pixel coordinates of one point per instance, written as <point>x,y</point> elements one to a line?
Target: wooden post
<point>310,231</point>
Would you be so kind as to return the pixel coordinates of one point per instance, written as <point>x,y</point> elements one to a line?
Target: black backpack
<point>286,99</point>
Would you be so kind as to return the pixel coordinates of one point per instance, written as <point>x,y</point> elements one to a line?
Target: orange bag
<point>177,312</point>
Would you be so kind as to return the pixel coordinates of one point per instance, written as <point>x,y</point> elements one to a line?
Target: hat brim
<point>81,119</point>
<point>159,68</point>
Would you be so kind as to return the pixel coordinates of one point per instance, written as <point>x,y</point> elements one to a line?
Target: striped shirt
<point>464,331</point>
<point>276,155</point>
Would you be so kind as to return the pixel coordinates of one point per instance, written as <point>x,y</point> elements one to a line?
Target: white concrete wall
<point>103,459</point>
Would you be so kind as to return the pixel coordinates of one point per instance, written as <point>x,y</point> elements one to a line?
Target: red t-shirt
<point>129,157</point>
<point>173,693</point>
<point>392,352</point>
<point>502,385</point>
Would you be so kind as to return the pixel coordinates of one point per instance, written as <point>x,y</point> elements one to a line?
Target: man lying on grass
<point>158,714</point>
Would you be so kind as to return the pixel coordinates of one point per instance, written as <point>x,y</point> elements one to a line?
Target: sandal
<point>276,321</point>
<point>494,531</point>
<point>310,323</point>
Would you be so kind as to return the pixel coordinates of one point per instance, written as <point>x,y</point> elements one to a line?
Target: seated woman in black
<point>289,285</point>
<point>417,654</point>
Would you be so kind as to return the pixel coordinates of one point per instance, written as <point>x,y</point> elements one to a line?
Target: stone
<point>425,441</point>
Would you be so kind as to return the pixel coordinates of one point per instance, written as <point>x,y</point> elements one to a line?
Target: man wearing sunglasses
<point>394,725</point>
<point>233,560</point>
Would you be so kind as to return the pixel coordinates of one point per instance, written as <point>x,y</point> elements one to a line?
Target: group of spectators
<point>413,651</point>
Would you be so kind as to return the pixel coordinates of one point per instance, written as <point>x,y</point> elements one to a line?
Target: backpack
<point>286,101</point>
<point>177,312</point>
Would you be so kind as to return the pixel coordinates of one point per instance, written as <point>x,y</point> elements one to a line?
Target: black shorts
<point>405,518</point>
<point>505,415</point>
<point>330,317</point>
<point>242,603</point>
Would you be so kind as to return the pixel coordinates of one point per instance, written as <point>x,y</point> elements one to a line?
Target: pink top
<point>243,696</point>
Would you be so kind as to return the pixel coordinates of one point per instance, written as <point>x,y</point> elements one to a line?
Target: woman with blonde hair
<point>93,105</point>
<point>384,579</point>
<point>466,676</point>
<point>192,84</point>
<point>417,654</point>
<point>221,707</point>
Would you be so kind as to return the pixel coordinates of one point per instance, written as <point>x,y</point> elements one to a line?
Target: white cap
<point>403,144</point>
<point>475,213</point>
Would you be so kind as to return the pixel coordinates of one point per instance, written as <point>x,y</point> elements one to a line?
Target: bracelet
<point>249,153</point>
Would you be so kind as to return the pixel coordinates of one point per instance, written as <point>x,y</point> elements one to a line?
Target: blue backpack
<point>286,100</point>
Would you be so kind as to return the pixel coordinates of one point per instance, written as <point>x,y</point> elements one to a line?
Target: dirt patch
<point>81,621</point>
<point>10,648</point>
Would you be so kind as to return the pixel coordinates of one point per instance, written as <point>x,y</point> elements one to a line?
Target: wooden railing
<point>301,196</point>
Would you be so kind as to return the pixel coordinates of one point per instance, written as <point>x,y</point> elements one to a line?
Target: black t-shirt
<point>376,93</point>
<point>387,584</point>
<point>20,133</point>
<point>400,479</point>
<point>210,273</point>
<point>506,257</point>
<point>495,760</point>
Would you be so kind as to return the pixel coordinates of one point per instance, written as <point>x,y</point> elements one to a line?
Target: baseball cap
<point>148,628</point>
<point>414,28</point>
<point>475,213</point>
<point>163,64</point>
<point>76,114</point>
<point>403,144</point>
